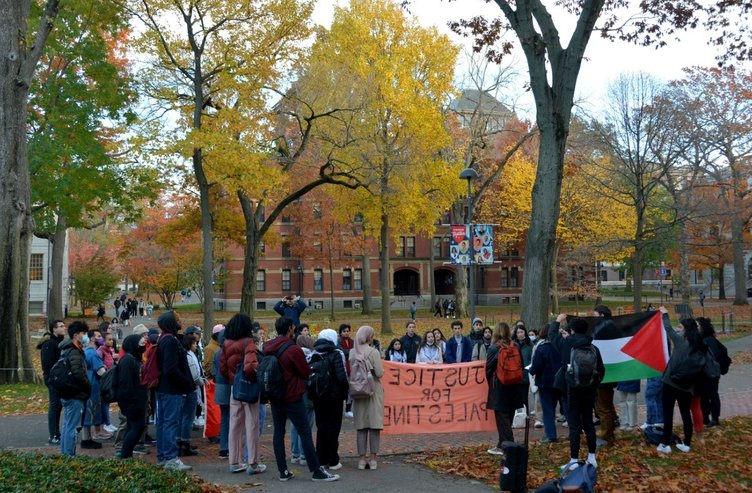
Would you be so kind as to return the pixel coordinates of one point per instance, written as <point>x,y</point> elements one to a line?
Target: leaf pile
<point>719,461</point>
<point>23,472</point>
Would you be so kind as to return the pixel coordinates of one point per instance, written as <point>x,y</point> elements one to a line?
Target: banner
<point>471,245</point>
<point>483,244</point>
<point>459,245</point>
<point>435,398</point>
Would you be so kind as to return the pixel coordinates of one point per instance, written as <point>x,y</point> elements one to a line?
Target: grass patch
<point>718,462</point>
<point>22,398</point>
<point>23,472</point>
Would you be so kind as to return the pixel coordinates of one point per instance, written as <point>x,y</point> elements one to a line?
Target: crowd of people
<point>166,376</point>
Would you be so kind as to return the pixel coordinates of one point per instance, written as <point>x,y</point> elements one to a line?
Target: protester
<point>711,401</point>
<point>291,307</point>
<point>604,405</point>
<point>429,353</point>
<point>410,342</point>
<point>346,344</point>
<point>480,349</point>
<point>626,395</point>
<point>72,348</point>
<point>188,409</point>
<point>131,395</point>
<point>306,344</point>
<point>295,371</point>
<point>49,354</point>
<point>100,312</point>
<point>440,339</point>
<point>92,424</point>
<point>328,407</point>
<point>584,373</point>
<point>545,363</point>
<point>395,353</point>
<point>106,351</point>
<point>503,399</point>
<point>476,330</point>
<point>533,397</point>
<point>687,348</point>
<point>239,354</point>
<point>653,403</point>
<point>369,411</point>
<point>526,349</point>
<point>175,382</point>
<point>222,391</point>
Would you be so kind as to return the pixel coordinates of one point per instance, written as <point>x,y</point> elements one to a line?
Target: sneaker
<point>335,467</point>
<point>90,444</point>
<point>199,422</point>
<point>565,424</point>
<point>140,450</point>
<point>102,436</point>
<point>664,449</point>
<point>349,415</point>
<point>495,451</point>
<point>223,454</point>
<point>295,459</point>
<point>644,426</point>
<point>322,474</point>
<point>372,464</point>
<point>55,440</point>
<point>286,476</point>
<point>176,465</point>
<point>236,468</point>
<point>538,424</point>
<point>110,428</point>
<point>592,462</point>
<point>256,469</point>
<point>561,419</point>
<point>570,466</point>
<point>683,448</point>
<point>302,461</point>
<point>362,464</point>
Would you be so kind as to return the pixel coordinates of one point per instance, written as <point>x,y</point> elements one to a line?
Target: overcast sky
<point>605,60</point>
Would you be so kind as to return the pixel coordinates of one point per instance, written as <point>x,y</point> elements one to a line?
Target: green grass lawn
<point>22,398</point>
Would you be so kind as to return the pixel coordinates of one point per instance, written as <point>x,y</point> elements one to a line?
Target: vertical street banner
<point>483,244</point>
<point>435,398</point>
<point>473,244</point>
<point>459,244</point>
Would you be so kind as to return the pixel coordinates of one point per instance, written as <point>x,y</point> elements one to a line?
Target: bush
<point>23,472</point>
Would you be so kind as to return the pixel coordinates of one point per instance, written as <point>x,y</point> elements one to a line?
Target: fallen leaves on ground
<point>742,358</point>
<point>719,462</point>
<point>22,398</point>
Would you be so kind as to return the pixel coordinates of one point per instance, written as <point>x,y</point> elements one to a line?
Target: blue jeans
<point>169,407</point>
<point>73,410</point>
<point>296,412</point>
<point>548,400</point>
<point>105,413</point>
<point>224,426</point>
<point>653,401</point>
<point>93,409</point>
<point>295,439</point>
<point>187,415</point>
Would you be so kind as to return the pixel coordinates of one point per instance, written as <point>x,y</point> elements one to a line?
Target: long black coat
<point>503,398</point>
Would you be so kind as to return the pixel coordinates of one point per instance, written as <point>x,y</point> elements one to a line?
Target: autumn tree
<point>93,269</point>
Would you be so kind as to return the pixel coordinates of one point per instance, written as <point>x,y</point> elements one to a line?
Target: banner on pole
<point>435,398</point>
<point>471,243</point>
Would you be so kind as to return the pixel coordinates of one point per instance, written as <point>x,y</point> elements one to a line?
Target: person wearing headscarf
<point>368,411</point>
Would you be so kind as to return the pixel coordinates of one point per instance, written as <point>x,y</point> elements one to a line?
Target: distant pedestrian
<point>413,311</point>
<point>437,309</point>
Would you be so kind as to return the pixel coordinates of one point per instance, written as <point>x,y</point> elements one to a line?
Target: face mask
<point>85,341</point>
<point>100,341</point>
<point>533,338</point>
<point>142,342</point>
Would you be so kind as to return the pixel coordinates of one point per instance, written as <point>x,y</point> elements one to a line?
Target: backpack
<point>361,378</point>
<point>150,369</point>
<point>321,384</point>
<point>61,377</point>
<point>688,369</point>
<point>720,353</point>
<point>108,386</point>
<point>583,368</point>
<point>582,478</point>
<point>712,369</point>
<point>509,365</point>
<point>270,378</point>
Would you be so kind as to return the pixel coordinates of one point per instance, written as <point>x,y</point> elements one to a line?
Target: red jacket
<point>295,369</point>
<point>233,352</point>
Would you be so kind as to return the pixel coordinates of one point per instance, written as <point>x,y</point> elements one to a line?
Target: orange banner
<point>435,398</point>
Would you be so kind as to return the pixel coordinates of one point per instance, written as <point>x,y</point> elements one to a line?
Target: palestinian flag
<point>633,347</point>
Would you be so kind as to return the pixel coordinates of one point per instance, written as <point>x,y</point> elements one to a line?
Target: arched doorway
<point>406,283</point>
<point>444,281</point>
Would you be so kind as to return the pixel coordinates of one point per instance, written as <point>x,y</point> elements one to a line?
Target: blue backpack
<point>583,477</point>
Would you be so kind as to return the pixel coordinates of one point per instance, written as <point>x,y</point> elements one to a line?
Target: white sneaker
<point>565,424</point>
<point>199,422</point>
<point>295,460</point>
<point>349,415</point>
<point>664,449</point>
<point>302,461</point>
<point>538,424</point>
<point>110,428</point>
<point>592,461</point>
<point>176,465</point>
<point>644,426</point>
<point>495,451</point>
<point>682,447</point>
<point>570,466</point>
<point>336,467</point>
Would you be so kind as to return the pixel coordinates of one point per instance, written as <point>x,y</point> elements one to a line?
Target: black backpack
<point>108,386</point>
<point>61,377</point>
<point>689,368</point>
<point>583,369</point>
<point>720,353</point>
<point>270,376</point>
<point>321,384</point>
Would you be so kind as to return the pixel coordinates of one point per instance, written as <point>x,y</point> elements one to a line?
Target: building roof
<point>471,98</point>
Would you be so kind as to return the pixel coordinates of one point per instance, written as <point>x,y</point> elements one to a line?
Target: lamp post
<point>300,278</point>
<point>470,174</point>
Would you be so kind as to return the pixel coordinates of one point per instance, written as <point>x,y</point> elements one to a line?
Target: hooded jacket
<point>77,362</point>
<point>235,351</point>
<point>680,351</point>
<point>49,353</point>
<point>295,369</point>
<point>325,349</point>
<point>131,395</point>
<point>172,359</point>
<point>580,341</point>
<point>292,312</point>
<point>546,362</point>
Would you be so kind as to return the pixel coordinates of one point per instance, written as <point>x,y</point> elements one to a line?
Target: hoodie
<point>295,369</point>
<point>172,359</point>
<point>325,349</point>
<point>131,395</point>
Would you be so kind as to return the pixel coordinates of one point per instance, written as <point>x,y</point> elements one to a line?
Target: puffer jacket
<point>336,358</point>
<point>235,351</point>
<point>680,351</point>
<point>50,353</point>
<point>77,361</point>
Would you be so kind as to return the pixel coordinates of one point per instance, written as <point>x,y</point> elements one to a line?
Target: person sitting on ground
<point>429,353</point>
<point>410,342</point>
<point>131,395</point>
<point>295,372</point>
<point>459,349</point>
<point>395,353</point>
<point>480,349</point>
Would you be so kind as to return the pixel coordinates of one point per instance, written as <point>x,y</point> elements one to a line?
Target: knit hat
<point>218,328</point>
<point>477,319</point>
<point>140,330</point>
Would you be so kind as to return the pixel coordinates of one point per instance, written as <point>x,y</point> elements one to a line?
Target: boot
<point>188,451</point>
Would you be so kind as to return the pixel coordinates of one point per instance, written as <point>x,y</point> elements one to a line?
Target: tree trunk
<point>684,271</point>
<point>331,286</point>
<point>460,279</point>
<point>721,282</point>
<point>250,257</point>
<point>27,374</point>
<point>58,239</point>
<point>737,247</point>
<point>386,309</point>
<point>555,281</point>
<point>207,259</point>
<point>431,279</point>
<point>365,280</point>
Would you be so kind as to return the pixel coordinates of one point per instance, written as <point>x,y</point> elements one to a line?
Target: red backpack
<point>509,365</point>
<point>150,369</point>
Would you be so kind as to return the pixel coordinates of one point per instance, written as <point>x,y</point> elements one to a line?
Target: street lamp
<point>300,278</point>
<point>470,174</point>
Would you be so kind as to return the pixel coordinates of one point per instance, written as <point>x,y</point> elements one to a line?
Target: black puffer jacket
<point>49,353</point>
<point>131,395</point>
<point>327,350</point>
<point>581,340</point>
<point>77,361</point>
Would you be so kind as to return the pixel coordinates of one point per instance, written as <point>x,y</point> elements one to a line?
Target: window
<point>514,277</point>
<point>399,247</point>
<point>318,280</point>
<point>505,300</point>
<point>347,304</point>
<point>286,284</point>
<point>286,249</point>
<point>621,274</point>
<point>436,246</point>
<point>286,219</point>
<point>318,305</point>
<point>261,280</point>
<point>347,279</point>
<point>36,267</point>
<point>515,299</point>
<point>317,246</point>
<point>410,246</point>
<point>36,307</point>
<point>604,275</point>
<point>261,305</point>
<point>358,278</point>
<point>514,253</point>
<point>505,277</point>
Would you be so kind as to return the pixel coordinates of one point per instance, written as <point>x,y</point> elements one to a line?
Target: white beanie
<point>330,335</point>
